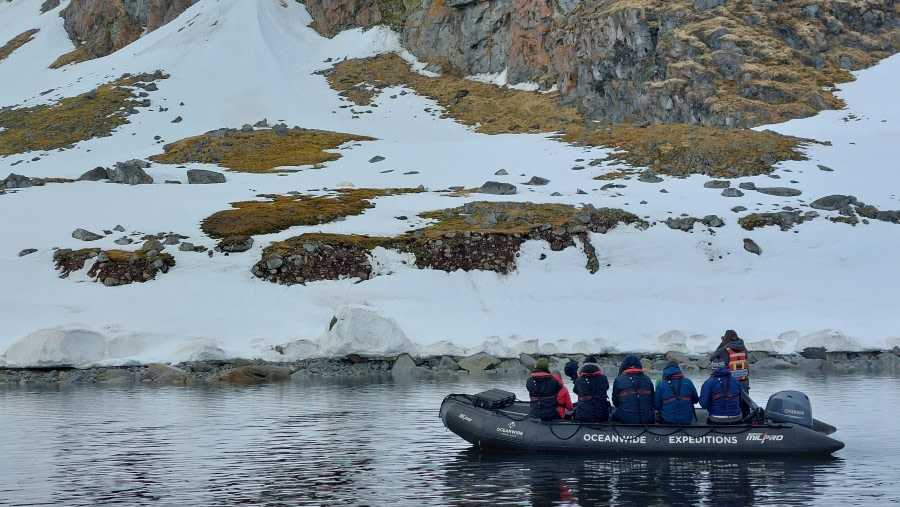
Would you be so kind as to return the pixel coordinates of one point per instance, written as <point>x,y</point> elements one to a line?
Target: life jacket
<point>543,390</point>
<point>676,393</point>
<point>737,363</point>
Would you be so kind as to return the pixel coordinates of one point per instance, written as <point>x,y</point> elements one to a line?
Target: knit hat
<point>590,359</point>
<point>672,364</point>
<point>542,364</point>
<point>717,363</point>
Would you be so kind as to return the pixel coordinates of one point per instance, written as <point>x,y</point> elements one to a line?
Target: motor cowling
<point>790,407</point>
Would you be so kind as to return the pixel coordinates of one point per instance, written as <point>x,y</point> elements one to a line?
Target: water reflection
<point>632,480</point>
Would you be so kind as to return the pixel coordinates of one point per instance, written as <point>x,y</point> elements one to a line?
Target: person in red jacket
<point>563,400</point>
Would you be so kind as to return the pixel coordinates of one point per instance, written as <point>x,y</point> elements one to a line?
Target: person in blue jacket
<point>721,395</point>
<point>632,394</point>
<point>591,386</point>
<point>675,396</point>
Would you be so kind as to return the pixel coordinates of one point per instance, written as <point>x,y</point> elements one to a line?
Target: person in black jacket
<point>543,389</point>
<point>632,394</point>
<point>591,387</point>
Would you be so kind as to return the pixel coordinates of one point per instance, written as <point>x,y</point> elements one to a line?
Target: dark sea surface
<point>382,443</point>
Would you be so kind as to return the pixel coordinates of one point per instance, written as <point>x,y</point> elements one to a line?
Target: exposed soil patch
<point>17,42</point>
<point>96,113</point>
<point>257,151</point>
<point>285,211</point>
<point>114,267</point>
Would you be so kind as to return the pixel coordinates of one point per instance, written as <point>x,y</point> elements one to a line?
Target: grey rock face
<point>732,192</point>
<point>202,176</point>
<point>130,172</point>
<point>705,5</point>
<point>832,202</point>
<point>752,247</point>
<point>501,172</point>
<point>497,188</point>
<point>84,235</point>
<point>152,245</point>
<point>16,181</point>
<point>236,244</point>
<point>95,174</point>
<point>779,191</point>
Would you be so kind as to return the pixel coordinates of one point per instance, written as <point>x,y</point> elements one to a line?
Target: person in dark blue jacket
<point>632,394</point>
<point>591,387</point>
<point>543,389</point>
<point>675,396</point>
<point>721,395</point>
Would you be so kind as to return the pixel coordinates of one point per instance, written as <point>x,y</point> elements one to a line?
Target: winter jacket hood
<point>630,362</point>
<point>672,371</point>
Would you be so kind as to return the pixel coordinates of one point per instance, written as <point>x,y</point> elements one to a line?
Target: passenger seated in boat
<point>675,396</point>
<point>591,387</point>
<point>632,394</point>
<point>721,396</point>
<point>571,370</point>
<point>563,399</point>
<point>543,390</point>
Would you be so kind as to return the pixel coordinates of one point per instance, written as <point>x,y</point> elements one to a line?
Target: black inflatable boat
<point>496,420</point>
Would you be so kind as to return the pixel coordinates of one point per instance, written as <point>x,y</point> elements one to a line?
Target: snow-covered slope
<point>233,62</point>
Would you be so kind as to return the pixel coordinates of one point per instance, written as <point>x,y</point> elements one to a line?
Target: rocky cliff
<point>715,62</point>
<point>101,27</point>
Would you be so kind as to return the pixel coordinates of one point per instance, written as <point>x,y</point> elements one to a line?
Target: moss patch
<point>282,212</point>
<point>677,149</point>
<point>682,149</point>
<point>96,113</point>
<point>17,42</point>
<point>257,151</point>
<point>488,108</point>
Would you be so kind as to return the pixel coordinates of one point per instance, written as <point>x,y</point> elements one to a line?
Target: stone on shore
<point>478,362</point>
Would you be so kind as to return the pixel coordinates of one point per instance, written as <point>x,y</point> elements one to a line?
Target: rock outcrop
<point>701,62</point>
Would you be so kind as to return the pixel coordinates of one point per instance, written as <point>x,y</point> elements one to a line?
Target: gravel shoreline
<point>249,371</point>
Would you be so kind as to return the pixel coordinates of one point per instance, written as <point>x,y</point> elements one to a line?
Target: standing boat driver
<point>732,352</point>
<point>543,390</point>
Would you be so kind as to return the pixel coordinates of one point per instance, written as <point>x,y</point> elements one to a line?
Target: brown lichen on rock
<point>317,256</point>
<point>284,211</point>
<point>96,113</point>
<point>783,219</point>
<point>114,267</point>
<point>17,42</point>
<point>257,151</point>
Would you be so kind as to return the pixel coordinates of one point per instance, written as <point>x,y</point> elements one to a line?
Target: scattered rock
<point>752,247</point>
<point>732,192</point>
<point>130,172</point>
<point>825,168</point>
<point>501,172</point>
<point>27,251</point>
<point>779,191</point>
<point>832,202</point>
<point>497,188</point>
<point>717,184</point>
<point>16,181</point>
<point>649,176</point>
<point>747,185</point>
<point>376,158</point>
<point>478,362</point>
<point>202,176</point>
<point>85,235</point>
<point>236,244</point>
<point>537,180</point>
<point>95,174</point>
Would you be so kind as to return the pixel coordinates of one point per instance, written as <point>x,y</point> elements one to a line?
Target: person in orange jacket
<point>563,400</point>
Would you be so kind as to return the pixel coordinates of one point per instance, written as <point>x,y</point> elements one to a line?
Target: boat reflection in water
<point>553,479</point>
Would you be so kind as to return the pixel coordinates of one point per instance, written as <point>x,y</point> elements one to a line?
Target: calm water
<point>341,443</point>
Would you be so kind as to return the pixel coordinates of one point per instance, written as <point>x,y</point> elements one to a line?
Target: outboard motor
<point>790,407</point>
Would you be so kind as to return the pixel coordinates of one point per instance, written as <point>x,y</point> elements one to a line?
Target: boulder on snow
<point>95,174</point>
<point>497,188</point>
<point>202,176</point>
<point>57,347</point>
<point>130,172</point>
<point>363,330</point>
<point>16,181</point>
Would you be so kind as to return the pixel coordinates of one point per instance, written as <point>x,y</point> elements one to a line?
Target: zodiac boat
<point>494,419</point>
